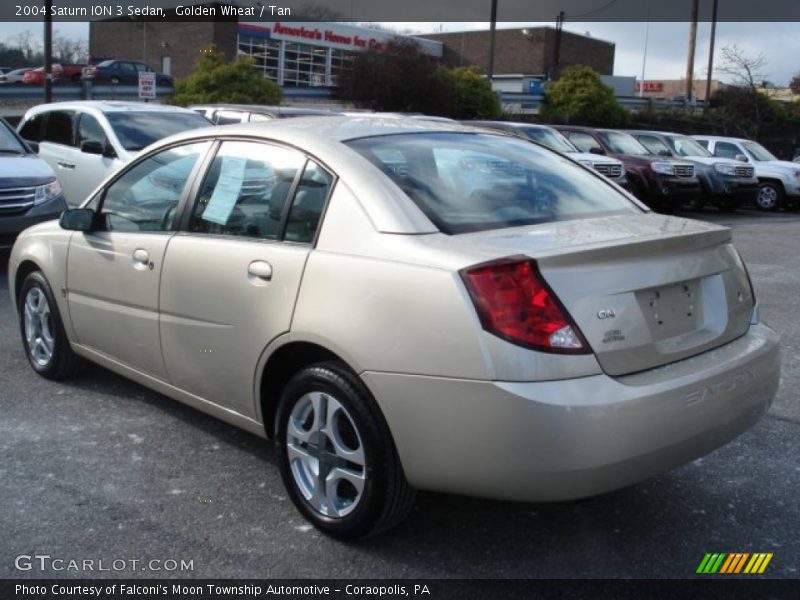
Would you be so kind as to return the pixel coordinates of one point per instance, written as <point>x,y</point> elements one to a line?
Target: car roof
<point>288,110</point>
<point>512,124</point>
<point>653,132</point>
<point>721,138</point>
<point>109,106</point>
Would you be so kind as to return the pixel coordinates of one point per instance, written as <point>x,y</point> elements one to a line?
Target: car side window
<point>31,130</point>
<point>583,141</point>
<point>90,129</point>
<point>245,190</point>
<point>726,149</point>
<point>654,145</point>
<point>309,201</point>
<point>127,67</point>
<point>59,128</point>
<point>145,198</point>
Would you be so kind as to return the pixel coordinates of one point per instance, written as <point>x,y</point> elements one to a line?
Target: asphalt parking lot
<point>102,468</point>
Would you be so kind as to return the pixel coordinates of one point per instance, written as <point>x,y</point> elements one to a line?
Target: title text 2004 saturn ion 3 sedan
<point>405,304</point>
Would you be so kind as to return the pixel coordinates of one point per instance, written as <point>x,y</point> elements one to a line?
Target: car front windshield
<point>551,139</point>
<point>758,151</point>
<point>135,130</point>
<point>686,146</point>
<point>623,143</point>
<point>9,142</point>
<point>469,182</point>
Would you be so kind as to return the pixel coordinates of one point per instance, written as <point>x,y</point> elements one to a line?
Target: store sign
<point>147,85</point>
<point>649,86</point>
<point>324,35</point>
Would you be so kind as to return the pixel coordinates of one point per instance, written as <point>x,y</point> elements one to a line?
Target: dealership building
<point>310,54</point>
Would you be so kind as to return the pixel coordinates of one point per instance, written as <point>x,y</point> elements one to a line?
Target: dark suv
<point>29,190</point>
<point>726,182</point>
<point>660,182</point>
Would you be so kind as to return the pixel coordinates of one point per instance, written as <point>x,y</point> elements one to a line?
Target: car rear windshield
<point>469,182</point>
<point>135,130</point>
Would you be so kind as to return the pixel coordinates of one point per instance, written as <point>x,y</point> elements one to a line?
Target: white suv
<point>84,142</point>
<point>778,180</point>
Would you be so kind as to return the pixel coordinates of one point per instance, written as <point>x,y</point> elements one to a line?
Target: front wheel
<point>46,345</point>
<point>337,457</point>
<point>770,196</point>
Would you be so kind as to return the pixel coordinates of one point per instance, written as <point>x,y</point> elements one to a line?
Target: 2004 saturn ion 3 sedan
<point>404,305</point>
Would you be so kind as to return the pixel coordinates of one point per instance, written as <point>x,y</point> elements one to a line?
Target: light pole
<point>48,52</point>
<point>711,53</point>
<point>492,28</point>
<point>644,54</point>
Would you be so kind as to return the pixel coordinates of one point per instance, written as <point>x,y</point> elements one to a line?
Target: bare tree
<point>745,71</point>
<point>29,44</point>
<point>66,50</point>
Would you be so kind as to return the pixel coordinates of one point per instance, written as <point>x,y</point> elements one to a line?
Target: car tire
<point>328,421</point>
<point>770,196</point>
<point>43,337</point>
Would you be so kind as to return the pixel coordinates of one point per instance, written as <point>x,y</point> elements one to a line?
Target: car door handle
<point>65,165</point>
<point>140,255</point>
<point>260,269</point>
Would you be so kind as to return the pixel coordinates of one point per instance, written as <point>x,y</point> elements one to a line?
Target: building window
<point>263,51</point>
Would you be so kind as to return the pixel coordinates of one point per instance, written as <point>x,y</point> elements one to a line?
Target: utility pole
<point>711,53</point>
<point>48,52</point>
<point>692,45</point>
<point>492,28</point>
<point>557,49</point>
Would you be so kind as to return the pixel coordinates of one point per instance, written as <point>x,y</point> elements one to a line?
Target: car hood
<point>713,160</point>
<point>776,165</point>
<point>24,170</point>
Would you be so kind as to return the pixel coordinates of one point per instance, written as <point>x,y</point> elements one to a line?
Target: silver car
<point>404,305</point>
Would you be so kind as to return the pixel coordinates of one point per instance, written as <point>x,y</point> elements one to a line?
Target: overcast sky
<point>666,48</point>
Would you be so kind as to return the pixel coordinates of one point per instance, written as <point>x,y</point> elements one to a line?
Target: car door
<point>127,72</point>
<point>113,272</point>
<point>91,169</point>
<point>231,278</point>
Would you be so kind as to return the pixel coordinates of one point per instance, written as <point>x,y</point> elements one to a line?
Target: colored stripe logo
<point>736,562</point>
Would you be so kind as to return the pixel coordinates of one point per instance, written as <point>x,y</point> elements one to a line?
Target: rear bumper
<point>566,439</point>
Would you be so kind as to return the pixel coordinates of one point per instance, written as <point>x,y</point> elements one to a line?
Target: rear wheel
<point>46,345</point>
<point>770,196</point>
<point>337,458</point>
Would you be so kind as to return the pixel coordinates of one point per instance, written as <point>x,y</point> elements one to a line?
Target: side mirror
<point>596,150</point>
<point>34,146</point>
<point>742,158</point>
<point>77,219</point>
<point>92,147</point>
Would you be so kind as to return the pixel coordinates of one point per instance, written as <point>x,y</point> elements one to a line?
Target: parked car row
<point>397,303</point>
<point>95,69</point>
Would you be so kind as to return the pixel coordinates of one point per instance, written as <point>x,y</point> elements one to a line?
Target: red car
<point>61,74</point>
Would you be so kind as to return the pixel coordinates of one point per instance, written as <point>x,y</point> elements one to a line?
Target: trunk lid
<point>645,290</point>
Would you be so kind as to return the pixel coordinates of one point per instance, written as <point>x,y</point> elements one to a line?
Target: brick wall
<point>182,42</point>
<point>530,51</point>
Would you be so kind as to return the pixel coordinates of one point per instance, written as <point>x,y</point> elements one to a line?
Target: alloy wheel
<point>326,455</point>
<point>39,327</point>
<point>767,197</point>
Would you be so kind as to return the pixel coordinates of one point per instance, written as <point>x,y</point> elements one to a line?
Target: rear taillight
<point>515,303</point>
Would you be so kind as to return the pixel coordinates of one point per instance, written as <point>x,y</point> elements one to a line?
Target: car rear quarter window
<point>245,190</point>
<point>308,204</point>
<point>471,182</point>
<point>58,128</point>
